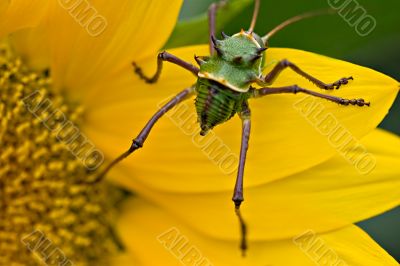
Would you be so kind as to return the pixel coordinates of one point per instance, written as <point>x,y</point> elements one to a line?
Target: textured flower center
<point>46,215</point>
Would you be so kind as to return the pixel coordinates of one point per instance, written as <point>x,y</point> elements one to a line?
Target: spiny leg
<point>238,192</point>
<point>271,77</point>
<point>140,139</point>
<point>296,89</point>
<point>212,14</point>
<point>164,56</point>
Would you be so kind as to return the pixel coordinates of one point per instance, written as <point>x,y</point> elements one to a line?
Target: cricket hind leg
<point>276,71</point>
<point>164,56</point>
<point>141,138</point>
<point>296,89</point>
<point>212,23</point>
<point>238,191</point>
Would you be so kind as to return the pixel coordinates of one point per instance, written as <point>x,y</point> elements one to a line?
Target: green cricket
<point>224,87</point>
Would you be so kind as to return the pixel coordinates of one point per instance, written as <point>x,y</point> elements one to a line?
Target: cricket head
<point>244,49</point>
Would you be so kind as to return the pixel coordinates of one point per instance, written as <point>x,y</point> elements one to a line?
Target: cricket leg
<point>296,89</point>
<point>164,56</point>
<point>271,77</point>
<point>140,139</point>
<point>212,14</point>
<point>238,191</point>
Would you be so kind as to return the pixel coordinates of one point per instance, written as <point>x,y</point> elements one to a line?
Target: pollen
<point>47,217</point>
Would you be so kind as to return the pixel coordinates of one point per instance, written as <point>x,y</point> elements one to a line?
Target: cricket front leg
<point>238,191</point>
<point>164,56</point>
<point>276,71</point>
<point>141,138</point>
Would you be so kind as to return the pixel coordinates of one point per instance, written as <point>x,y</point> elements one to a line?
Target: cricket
<point>225,84</point>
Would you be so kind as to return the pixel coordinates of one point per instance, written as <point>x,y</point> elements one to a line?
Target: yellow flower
<point>301,186</point>
<point>48,214</point>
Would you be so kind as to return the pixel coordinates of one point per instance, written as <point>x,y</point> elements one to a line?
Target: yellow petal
<point>283,141</point>
<point>329,196</point>
<point>31,45</point>
<point>123,259</point>
<point>19,14</point>
<point>89,47</point>
<point>365,251</point>
<point>157,238</point>
<point>3,6</point>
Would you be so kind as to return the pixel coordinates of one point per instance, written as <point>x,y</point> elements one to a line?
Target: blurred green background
<point>328,35</point>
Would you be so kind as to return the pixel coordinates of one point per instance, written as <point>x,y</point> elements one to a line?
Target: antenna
<point>255,16</point>
<point>296,19</point>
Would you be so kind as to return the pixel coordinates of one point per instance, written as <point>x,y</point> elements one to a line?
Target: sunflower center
<point>46,214</point>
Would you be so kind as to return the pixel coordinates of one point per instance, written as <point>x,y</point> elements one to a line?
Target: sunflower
<point>304,187</point>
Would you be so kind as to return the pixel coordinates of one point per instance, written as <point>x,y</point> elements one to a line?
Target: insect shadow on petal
<point>224,86</point>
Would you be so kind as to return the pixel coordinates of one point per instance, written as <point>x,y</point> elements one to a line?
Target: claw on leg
<point>336,85</point>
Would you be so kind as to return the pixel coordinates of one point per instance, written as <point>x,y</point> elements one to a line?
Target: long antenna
<point>296,19</point>
<point>255,16</point>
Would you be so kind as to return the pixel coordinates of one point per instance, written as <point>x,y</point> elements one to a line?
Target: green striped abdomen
<point>215,103</point>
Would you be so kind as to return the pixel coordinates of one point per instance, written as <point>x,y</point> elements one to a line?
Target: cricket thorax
<point>216,104</point>
<point>238,61</point>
